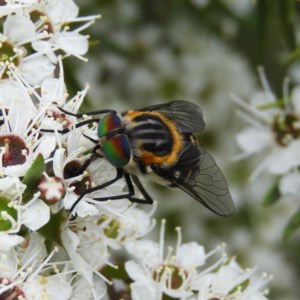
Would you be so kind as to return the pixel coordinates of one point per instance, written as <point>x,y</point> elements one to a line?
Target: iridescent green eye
<point>117,150</point>
<point>108,123</point>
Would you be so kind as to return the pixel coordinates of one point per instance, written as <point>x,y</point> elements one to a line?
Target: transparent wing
<point>200,177</point>
<point>187,115</point>
<point>208,185</point>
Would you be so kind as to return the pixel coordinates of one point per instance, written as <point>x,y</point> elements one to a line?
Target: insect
<point>158,141</point>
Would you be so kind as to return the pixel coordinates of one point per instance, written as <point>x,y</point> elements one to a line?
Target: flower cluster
<point>274,129</point>
<point>46,164</point>
<point>189,273</point>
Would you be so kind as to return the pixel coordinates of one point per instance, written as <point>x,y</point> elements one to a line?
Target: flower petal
<point>135,271</point>
<point>58,160</point>
<point>9,241</point>
<point>35,70</point>
<point>11,184</point>
<point>285,159</point>
<point>252,140</point>
<point>72,43</point>
<point>18,28</point>
<point>46,146</point>
<point>144,291</point>
<point>36,215</point>
<point>62,11</point>
<point>53,90</point>
<point>191,255</point>
<point>290,184</point>
<point>47,48</point>
<point>146,250</point>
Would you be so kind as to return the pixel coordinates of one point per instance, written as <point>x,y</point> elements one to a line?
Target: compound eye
<point>117,150</point>
<point>108,123</point>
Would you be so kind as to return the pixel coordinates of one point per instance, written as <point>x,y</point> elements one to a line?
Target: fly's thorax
<point>154,139</point>
<point>136,168</point>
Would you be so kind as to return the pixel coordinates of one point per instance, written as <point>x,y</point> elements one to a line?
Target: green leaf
<point>5,224</point>
<point>293,225</point>
<point>167,297</point>
<point>264,12</point>
<point>32,176</point>
<point>119,273</point>
<point>280,103</point>
<point>53,229</point>
<point>272,195</point>
<point>293,57</point>
<point>287,11</point>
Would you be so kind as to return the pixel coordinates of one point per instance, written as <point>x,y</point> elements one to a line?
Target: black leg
<point>90,139</point>
<point>88,161</point>
<point>147,198</point>
<point>119,175</point>
<point>66,130</point>
<point>90,113</point>
<point>123,196</point>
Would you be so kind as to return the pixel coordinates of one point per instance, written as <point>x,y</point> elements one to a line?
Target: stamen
<point>6,154</point>
<point>214,266</point>
<point>251,121</point>
<point>265,83</point>
<point>7,216</point>
<point>84,19</point>
<point>179,241</point>
<point>161,240</point>
<point>40,36</point>
<point>42,265</point>
<point>247,107</point>
<point>84,26</point>
<point>260,168</point>
<point>168,255</point>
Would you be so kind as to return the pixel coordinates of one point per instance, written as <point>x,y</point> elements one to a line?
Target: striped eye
<point>117,150</point>
<point>108,123</point>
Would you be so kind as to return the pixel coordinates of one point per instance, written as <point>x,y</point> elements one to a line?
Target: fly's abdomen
<point>152,135</point>
<point>155,140</point>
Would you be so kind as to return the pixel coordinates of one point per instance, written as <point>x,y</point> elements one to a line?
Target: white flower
<point>231,282</point>
<point>88,253</point>
<point>33,214</point>
<point>172,274</point>
<point>20,143</point>
<point>18,31</point>
<point>190,273</point>
<point>56,17</point>
<point>8,241</point>
<point>67,165</point>
<point>74,149</point>
<point>24,274</point>
<point>36,214</point>
<point>11,190</point>
<point>14,6</point>
<point>290,184</point>
<point>274,127</point>
<point>81,289</point>
<point>124,225</point>
<point>66,168</point>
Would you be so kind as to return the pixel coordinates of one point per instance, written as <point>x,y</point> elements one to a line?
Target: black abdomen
<point>151,134</point>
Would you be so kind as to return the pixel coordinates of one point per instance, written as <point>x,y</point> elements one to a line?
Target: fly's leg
<point>66,130</point>
<point>147,198</point>
<point>119,175</point>
<point>90,113</point>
